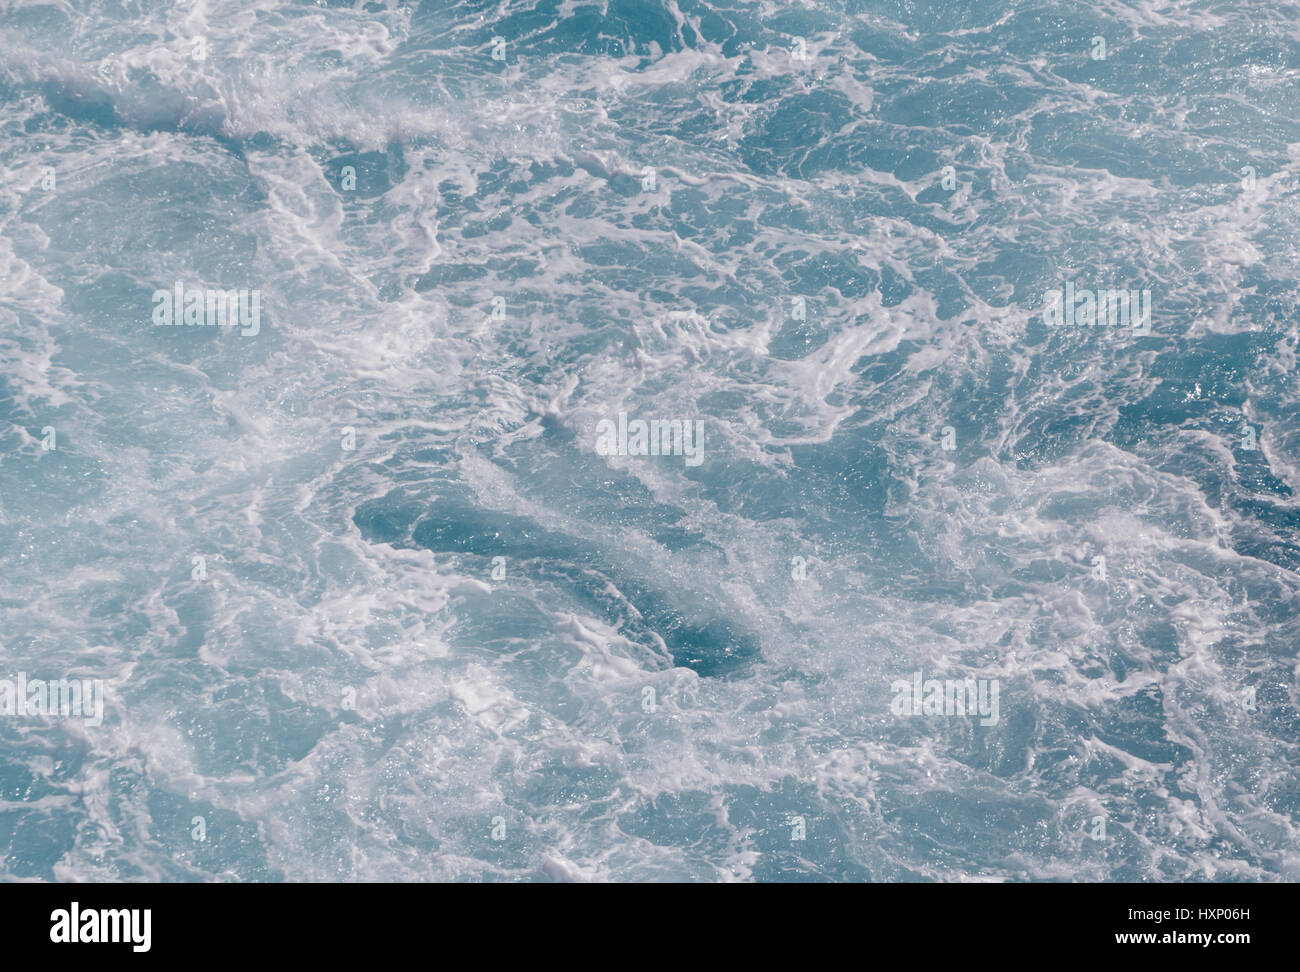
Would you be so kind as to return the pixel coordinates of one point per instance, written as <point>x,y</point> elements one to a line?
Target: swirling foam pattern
<point>438,633</point>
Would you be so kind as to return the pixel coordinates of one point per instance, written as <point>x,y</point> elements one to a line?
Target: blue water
<point>822,229</point>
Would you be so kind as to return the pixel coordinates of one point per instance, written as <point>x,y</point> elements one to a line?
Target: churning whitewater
<point>649,440</point>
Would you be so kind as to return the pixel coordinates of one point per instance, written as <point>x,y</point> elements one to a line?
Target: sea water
<point>646,440</point>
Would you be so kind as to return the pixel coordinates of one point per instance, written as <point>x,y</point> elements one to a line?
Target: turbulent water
<point>374,578</point>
